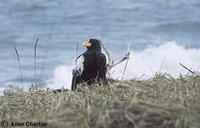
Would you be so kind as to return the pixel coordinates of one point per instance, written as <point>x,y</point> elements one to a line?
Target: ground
<point>160,102</point>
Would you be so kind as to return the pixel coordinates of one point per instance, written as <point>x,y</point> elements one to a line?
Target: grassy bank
<point>161,102</point>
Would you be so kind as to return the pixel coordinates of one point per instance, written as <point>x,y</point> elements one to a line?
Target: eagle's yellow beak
<point>87,44</point>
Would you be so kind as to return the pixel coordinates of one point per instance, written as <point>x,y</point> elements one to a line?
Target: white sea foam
<point>62,77</point>
<point>164,59</point>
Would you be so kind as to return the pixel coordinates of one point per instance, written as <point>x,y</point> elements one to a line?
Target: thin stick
<point>122,60</point>
<point>111,63</point>
<point>35,57</point>
<point>110,60</point>
<point>20,69</point>
<point>187,69</point>
<point>125,67</point>
<point>127,56</point>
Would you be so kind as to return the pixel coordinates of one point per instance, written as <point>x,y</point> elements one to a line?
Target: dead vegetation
<point>160,102</point>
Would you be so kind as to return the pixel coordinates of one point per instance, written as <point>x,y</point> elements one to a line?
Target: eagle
<point>91,65</point>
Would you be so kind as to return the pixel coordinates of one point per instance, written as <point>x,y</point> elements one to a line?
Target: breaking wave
<point>144,64</point>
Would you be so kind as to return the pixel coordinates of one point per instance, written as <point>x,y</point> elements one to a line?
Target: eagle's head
<point>93,44</point>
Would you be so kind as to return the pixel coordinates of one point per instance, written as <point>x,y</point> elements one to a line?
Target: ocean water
<point>163,33</point>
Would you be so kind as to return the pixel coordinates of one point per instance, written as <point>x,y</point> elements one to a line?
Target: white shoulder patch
<point>79,63</point>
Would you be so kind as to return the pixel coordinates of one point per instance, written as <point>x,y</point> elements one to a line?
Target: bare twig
<point>127,57</point>
<point>110,60</point>
<point>20,69</point>
<point>187,69</point>
<point>111,63</point>
<point>125,65</point>
<point>35,57</point>
<point>122,60</point>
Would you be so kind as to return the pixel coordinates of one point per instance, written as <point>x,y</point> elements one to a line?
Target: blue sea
<point>162,33</point>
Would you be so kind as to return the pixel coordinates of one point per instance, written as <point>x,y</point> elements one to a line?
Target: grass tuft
<point>160,102</point>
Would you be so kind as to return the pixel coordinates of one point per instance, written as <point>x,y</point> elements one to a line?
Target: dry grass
<point>160,102</point>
